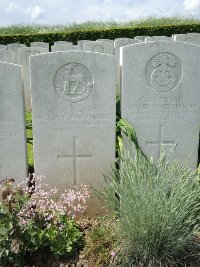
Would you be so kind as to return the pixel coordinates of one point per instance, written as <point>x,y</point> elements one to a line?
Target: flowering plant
<point>33,219</point>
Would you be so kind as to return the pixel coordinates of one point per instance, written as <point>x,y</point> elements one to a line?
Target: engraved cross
<point>160,141</point>
<point>75,156</point>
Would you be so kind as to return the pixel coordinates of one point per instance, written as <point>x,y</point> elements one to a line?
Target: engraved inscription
<point>162,108</point>
<point>160,141</point>
<point>98,48</point>
<point>163,72</point>
<point>188,39</point>
<point>73,82</point>
<point>75,156</point>
<point>74,119</point>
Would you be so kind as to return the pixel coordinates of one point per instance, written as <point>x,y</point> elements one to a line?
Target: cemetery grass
<point>90,25</point>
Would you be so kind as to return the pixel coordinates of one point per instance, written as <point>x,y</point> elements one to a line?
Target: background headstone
<point>3,46</point>
<point>73,109</point>
<point>140,37</point>
<point>13,157</point>
<point>161,97</point>
<point>64,47</point>
<point>189,38</point>
<point>99,46</point>
<point>158,38</point>
<point>6,56</point>
<point>61,42</point>
<point>23,59</point>
<point>40,44</point>
<point>14,47</point>
<point>119,42</point>
<point>81,42</point>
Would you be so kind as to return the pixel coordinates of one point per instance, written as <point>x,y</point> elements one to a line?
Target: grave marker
<point>14,47</point>
<point>161,97</point>
<point>23,59</point>
<point>73,117</point>
<point>40,44</point>
<point>6,56</point>
<point>13,157</point>
<point>99,46</point>
<point>64,47</point>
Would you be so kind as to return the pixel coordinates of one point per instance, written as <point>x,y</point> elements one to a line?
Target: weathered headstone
<point>13,157</point>
<point>140,38</point>
<point>61,42</point>
<point>99,46</point>
<point>161,97</point>
<point>23,59</point>
<point>4,47</point>
<point>40,44</point>
<point>6,56</point>
<point>189,38</point>
<point>158,38</point>
<point>81,42</point>
<point>15,47</point>
<point>64,47</point>
<point>119,42</point>
<point>106,40</point>
<point>73,117</point>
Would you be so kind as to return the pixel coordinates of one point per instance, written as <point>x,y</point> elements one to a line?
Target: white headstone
<point>6,56</point>
<point>161,97</point>
<point>23,59</point>
<point>81,42</point>
<point>140,38</point>
<point>61,42</point>
<point>13,156</point>
<point>40,44</point>
<point>73,109</point>
<point>4,47</point>
<point>64,47</point>
<point>14,47</point>
<point>99,46</point>
<point>119,42</point>
<point>189,38</point>
<point>158,38</point>
<point>106,40</point>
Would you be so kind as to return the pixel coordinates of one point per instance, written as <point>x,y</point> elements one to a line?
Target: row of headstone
<point>73,108</point>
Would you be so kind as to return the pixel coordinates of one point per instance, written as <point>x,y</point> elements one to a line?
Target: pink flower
<point>113,253</point>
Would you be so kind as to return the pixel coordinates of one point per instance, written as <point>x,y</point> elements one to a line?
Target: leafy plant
<point>100,243</point>
<point>33,220</point>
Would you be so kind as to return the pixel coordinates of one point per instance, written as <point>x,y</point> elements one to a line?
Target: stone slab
<point>73,117</point>
<point>158,38</point>
<point>40,44</point>
<point>3,46</point>
<point>61,42</point>
<point>81,42</point>
<point>6,56</point>
<point>99,46</point>
<point>119,42</point>
<point>189,38</point>
<point>23,59</point>
<point>15,47</point>
<point>161,97</point>
<point>13,156</point>
<point>64,47</point>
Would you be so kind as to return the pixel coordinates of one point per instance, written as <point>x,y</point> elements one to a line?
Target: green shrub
<point>158,209</point>
<point>111,33</point>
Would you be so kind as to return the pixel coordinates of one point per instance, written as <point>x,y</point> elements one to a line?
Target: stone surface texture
<point>161,97</point>
<point>13,157</point>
